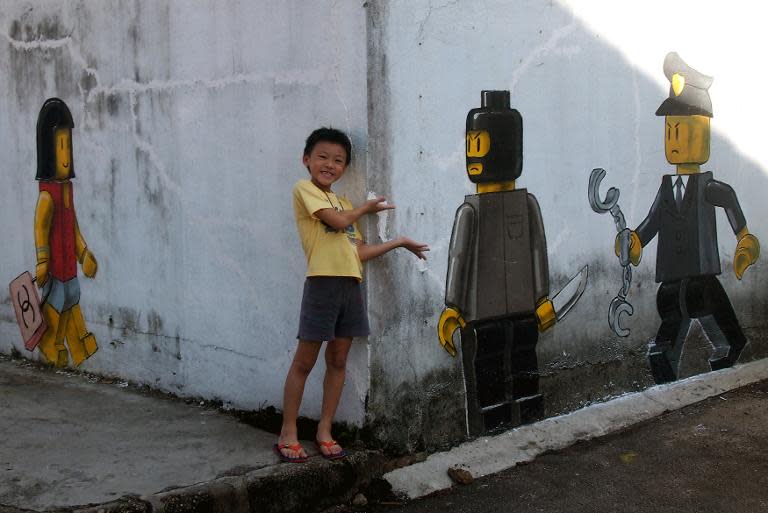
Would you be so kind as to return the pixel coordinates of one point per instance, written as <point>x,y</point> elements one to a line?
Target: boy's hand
<point>377,204</point>
<point>417,248</point>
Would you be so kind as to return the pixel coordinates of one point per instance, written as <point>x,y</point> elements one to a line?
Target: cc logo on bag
<point>26,306</point>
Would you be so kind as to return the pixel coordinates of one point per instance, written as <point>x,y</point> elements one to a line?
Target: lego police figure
<point>58,242</point>
<point>683,217</point>
<point>497,283</point>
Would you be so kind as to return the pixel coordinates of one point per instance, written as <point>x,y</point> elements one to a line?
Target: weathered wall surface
<point>190,120</point>
<point>587,81</point>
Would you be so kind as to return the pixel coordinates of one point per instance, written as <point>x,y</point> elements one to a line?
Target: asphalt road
<point>708,457</point>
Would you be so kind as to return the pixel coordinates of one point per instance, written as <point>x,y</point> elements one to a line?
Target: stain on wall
<point>182,203</point>
<point>155,103</point>
<point>584,79</point>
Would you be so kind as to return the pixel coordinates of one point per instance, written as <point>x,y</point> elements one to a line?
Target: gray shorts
<point>61,295</point>
<point>332,306</point>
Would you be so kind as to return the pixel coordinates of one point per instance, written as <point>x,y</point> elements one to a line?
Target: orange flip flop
<point>328,444</point>
<point>291,447</point>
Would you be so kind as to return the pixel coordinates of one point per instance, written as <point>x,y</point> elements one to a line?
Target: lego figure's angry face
<point>494,143</point>
<point>63,152</point>
<point>494,135</point>
<point>686,139</point>
<point>478,145</point>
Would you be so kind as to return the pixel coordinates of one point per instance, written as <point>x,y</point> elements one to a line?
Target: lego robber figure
<point>58,241</point>
<point>683,217</point>
<point>497,283</point>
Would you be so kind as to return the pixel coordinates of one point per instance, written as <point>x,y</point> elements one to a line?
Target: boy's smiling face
<point>326,163</point>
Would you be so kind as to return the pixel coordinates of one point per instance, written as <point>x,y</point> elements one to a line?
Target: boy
<point>333,306</point>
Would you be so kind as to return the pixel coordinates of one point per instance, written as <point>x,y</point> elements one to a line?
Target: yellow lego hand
<point>545,314</point>
<point>635,247</point>
<point>41,272</point>
<point>450,321</point>
<point>88,262</point>
<point>747,251</point>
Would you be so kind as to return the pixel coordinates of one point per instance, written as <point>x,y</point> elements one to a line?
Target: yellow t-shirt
<point>329,252</point>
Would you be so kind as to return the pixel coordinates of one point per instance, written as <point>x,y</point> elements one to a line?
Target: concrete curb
<point>287,488</point>
<point>283,488</point>
<point>493,454</point>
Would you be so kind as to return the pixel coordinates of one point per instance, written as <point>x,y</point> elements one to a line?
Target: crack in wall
<point>431,9</point>
<point>301,77</point>
<point>67,42</point>
<point>53,44</point>
<point>177,339</point>
<point>338,56</point>
<point>636,133</point>
<point>148,149</point>
<point>218,349</point>
<point>38,44</point>
<point>549,46</point>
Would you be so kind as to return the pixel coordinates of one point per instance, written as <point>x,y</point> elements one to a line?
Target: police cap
<point>688,94</point>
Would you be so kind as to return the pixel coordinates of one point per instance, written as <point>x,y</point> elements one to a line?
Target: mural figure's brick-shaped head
<point>494,139</point>
<point>54,141</point>
<point>686,139</point>
<point>686,113</point>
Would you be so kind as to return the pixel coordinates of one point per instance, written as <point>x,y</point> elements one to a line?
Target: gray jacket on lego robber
<point>497,263</point>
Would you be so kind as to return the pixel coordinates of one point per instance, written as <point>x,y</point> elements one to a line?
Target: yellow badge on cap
<point>678,83</point>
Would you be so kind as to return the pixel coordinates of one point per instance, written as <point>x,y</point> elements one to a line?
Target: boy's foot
<point>330,449</point>
<point>290,452</point>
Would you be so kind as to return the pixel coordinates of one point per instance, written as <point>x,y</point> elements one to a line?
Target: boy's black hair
<point>332,135</point>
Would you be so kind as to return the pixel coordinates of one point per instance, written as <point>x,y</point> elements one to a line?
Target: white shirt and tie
<point>678,189</point>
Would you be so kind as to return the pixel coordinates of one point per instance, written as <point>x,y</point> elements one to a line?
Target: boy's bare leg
<point>335,369</point>
<point>303,362</point>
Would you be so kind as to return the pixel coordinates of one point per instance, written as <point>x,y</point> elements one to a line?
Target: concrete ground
<point>709,457</point>
<point>69,441</point>
<point>82,444</point>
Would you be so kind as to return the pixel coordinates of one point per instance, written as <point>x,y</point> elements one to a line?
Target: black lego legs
<point>501,374</point>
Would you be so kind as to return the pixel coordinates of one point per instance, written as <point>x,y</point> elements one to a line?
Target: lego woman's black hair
<point>54,114</point>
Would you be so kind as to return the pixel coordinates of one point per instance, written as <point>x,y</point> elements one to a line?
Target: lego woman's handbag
<point>26,303</point>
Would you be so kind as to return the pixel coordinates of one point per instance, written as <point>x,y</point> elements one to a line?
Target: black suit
<point>687,263</point>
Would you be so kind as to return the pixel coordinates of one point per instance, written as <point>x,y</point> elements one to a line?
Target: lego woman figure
<point>58,242</point>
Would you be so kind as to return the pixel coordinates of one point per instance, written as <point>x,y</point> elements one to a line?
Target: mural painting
<point>59,244</point>
<point>619,304</point>
<point>497,284</point>
<point>683,218</point>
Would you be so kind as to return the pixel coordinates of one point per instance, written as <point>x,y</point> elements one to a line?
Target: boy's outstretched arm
<point>369,251</point>
<point>340,220</point>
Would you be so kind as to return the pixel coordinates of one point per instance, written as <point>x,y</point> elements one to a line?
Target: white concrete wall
<point>190,123</point>
<point>587,78</point>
